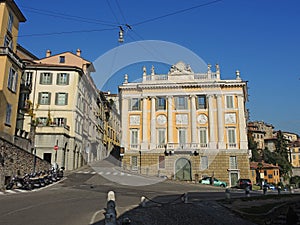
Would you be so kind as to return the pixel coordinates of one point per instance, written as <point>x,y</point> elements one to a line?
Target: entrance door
<point>233,176</point>
<point>183,169</point>
<point>47,157</point>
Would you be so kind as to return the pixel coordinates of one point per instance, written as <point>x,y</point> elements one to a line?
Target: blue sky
<point>260,38</point>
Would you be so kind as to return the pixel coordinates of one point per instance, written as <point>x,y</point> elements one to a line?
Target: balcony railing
<point>7,51</point>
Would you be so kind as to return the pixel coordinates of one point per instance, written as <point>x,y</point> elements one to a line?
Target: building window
<point>231,138</point>
<point>46,78</point>
<point>181,102</point>
<point>61,98</point>
<point>134,162</point>
<point>161,162</point>
<point>204,163</point>
<point>161,103</point>
<point>10,22</point>
<point>12,80</point>
<point>203,137</point>
<point>44,98</point>
<point>201,102</point>
<point>42,121</point>
<point>8,41</point>
<point>62,79</point>
<point>28,78</point>
<point>8,114</point>
<point>232,162</point>
<point>161,138</point>
<point>229,102</point>
<point>134,138</point>
<point>62,59</point>
<point>60,121</point>
<point>270,176</point>
<point>135,104</point>
<point>265,172</point>
<point>182,137</point>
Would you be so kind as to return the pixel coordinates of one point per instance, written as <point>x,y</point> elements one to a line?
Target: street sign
<point>55,147</point>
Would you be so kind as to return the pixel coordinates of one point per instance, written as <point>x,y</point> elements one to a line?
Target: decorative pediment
<point>180,68</point>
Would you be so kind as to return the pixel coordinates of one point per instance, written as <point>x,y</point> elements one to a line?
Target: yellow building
<point>185,125</point>
<point>10,67</point>
<point>294,149</point>
<point>268,173</point>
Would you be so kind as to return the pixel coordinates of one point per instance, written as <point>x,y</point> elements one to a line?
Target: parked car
<point>270,186</point>
<point>243,183</point>
<point>216,182</point>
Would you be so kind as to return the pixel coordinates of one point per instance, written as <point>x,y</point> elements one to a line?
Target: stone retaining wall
<point>17,161</point>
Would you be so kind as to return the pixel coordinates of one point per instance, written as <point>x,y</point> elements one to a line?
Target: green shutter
<point>66,99</point>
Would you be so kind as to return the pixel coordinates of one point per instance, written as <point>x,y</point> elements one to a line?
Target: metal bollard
<point>279,189</point>
<point>111,213</point>
<point>291,190</point>
<point>227,194</point>
<point>247,191</point>
<point>185,198</point>
<point>265,190</point>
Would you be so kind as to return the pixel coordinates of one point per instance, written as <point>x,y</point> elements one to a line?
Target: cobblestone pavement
<point>216,213</point>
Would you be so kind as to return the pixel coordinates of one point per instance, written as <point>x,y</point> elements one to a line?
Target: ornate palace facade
<point>185,125</point>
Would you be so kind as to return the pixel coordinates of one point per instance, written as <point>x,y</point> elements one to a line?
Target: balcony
<point>53,128</point>
<point>8,52</point>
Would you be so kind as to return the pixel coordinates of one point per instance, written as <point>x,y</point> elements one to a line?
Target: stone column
<point>170,122</point>
<point>221,144</point>
<point>193,121</point>
<point>211,110</point>
<point>242,123</point>
<point>153,125</point>
<point>124,122</point>
<point>144,144</point>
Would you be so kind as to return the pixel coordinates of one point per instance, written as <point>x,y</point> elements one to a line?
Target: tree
<point>252,145</point>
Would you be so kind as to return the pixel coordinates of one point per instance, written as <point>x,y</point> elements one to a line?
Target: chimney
<point>78,52</point>
<point>48,53</point>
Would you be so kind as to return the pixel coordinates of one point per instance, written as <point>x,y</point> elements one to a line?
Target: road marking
<point>2,193</point>
<point>100,173</point>
<point>122,174</point>
<point>115,173</point>
<point>86,172</point>
<point>93,172</point>
<point>94,216</point>
<point>129,175</point>
<point>10,191</point>
<point>107,173</point>
<point>80,172</point>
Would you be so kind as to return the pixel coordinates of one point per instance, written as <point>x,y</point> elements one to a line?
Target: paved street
<point>80,198</point>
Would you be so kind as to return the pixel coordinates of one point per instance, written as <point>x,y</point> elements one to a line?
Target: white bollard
<point>143,201</point>
<point>111,196</point>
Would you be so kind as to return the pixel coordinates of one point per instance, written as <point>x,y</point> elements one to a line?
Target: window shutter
<point>41,78</point>
<point>56,98</point>
<point>57,78</point>
<point>67,78</point>
<point>49,99</point>
<point>66,99</point>
<point>39,98</point>
<point>15,82</point>
<point>51,78</point>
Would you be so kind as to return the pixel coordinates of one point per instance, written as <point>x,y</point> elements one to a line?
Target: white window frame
<point>229,101</point>
<point>62,79</point>
<point>134,162</point>
<point>135,104</point>
<point>233,164</point>
<point>203,141</point>
<point>46,78</point>
<point>161,137</point>
<point>182,137</point>
<point>201,106</point>
<point>161,103</point>
<point>134,138</point>
<point>231,137</point>
<point>12,80</point>
<point>204,162</point>
<point>43,97</point>
<point>8,114</point>
<point>10,22</point>
<point>61,98</point>
<point>181,103</point>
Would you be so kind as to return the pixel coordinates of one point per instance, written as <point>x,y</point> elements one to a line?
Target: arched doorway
<point>183,169</point>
